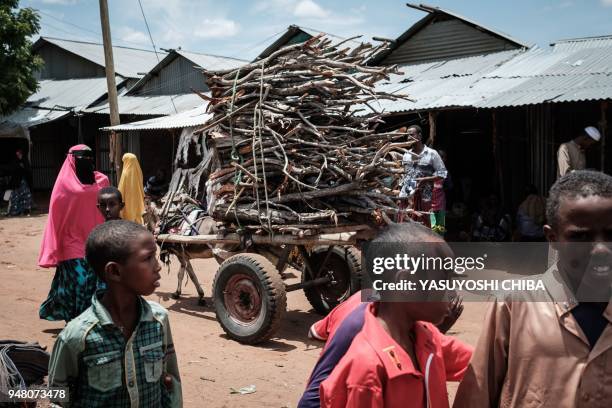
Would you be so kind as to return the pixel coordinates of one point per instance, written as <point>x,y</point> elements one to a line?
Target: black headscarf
<point>84,163</point>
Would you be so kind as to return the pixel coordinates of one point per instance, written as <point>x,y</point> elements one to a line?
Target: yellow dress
<point>132,189</point>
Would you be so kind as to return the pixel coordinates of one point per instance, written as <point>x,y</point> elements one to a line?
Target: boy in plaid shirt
<point>119,352</point>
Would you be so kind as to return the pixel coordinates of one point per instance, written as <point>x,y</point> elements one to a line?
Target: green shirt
<point>101,369</point>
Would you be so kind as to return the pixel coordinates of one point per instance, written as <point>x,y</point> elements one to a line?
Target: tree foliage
<point>17,63</point>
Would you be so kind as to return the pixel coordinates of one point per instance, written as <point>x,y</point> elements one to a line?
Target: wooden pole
<point>497,158</point>
<point>603,127</point>
<point>432,128</point>
<point>115,138</point>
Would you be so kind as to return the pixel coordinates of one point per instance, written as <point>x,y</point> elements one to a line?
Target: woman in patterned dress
<point>20,201</point>
<point>72,215</point>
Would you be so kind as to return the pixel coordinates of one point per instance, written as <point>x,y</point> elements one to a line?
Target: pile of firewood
<point>294,141</point>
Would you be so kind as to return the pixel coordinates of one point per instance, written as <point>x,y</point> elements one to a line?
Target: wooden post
<point>603,127</point>
<point>497,158</point>
<point>115,138</point>
<point>432,128</point>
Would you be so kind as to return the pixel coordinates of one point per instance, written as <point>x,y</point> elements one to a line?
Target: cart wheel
<point>249,298</point>
<point>344,269</point>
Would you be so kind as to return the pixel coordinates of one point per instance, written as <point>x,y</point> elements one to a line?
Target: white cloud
<point>309,9</point>
<point>61,2</point>
<point>306,9</point>
<point>217,28</point>
<point>566,4</point>
<point>360,9</point>
<point>173,37</point>
<point>184,23</point>
<point>130,35</point>
<point>606,3</point>
<point>274,6</point>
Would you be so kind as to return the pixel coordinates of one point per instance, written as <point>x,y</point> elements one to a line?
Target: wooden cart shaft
<point>343,238</point>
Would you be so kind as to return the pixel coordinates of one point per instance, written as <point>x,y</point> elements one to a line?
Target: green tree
<point>17,63</point>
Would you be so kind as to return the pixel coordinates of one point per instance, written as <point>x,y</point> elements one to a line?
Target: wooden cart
<point>249,293</point>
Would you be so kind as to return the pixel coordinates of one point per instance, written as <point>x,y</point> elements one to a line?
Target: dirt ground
<point>210,363</point>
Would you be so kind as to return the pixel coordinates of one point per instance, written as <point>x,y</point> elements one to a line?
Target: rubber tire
<point>352,257</point>
<point>272,291</point>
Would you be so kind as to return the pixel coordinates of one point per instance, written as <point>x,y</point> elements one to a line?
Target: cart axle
<point>309,284</point>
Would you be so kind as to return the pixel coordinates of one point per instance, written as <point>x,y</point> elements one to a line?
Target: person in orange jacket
<point>399,358</point>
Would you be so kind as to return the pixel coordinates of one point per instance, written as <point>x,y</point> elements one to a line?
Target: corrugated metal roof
<point>152,105</point>
<point>212,62</point>
<point>477,45</point>
<point>446,39</point>
<point>193,117</point>
<point>509,78</point>
<point>582,43</point>
<point>209,62</point>
<point>541,62</point>
<point>31,116</point>
<point>69,94</point>
<point>543,89</point>
<point>129,62</point>
<point>432,9</point>
<point>293,31</point>
<point>298,34</point>
<point>441,84</point>
<point>540,76</point>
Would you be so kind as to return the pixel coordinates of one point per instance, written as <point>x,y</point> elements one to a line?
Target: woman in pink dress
<point>72,216</point>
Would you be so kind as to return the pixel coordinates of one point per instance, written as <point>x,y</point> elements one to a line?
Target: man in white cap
<point>571,155</point>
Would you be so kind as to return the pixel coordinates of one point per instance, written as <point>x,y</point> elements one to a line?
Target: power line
<point>97,33</point>
<point>59,29</point>
<point>323,32</point>
<point>70,24</point>
<point>177,79</point>
<point>236,54</point>
<point>257,44</point>
<point>153,44</point>
<point>148,30</point>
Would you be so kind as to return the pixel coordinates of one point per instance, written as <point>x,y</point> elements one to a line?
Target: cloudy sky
<point>242,29</point>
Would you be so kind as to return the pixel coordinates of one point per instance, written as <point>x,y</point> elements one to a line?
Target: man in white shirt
<point>571,155</point>
<point>423,166</point>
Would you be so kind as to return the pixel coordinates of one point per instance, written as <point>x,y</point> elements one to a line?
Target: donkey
<point>184,253</point>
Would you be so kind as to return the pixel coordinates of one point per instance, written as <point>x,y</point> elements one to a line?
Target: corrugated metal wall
<point>130,142</point>
<point>61,64</point>
<point>542,146</point>
<point>178,77</point>
<point>102,148</point>
<point>445,39</point>
<point>50,143</point>
<point>45,163</point>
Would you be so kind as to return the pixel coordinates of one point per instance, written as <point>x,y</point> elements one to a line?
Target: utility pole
<point>115,138</point>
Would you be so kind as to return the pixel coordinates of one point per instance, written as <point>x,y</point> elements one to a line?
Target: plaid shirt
<point>101,369</point>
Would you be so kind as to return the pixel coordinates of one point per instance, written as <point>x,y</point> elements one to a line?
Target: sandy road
<point>210,363</point>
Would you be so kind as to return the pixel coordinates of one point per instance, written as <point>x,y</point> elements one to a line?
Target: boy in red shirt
<point>399,358</point>
<point>323,329</point>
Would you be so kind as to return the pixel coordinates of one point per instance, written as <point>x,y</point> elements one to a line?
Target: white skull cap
<point>593,133</point>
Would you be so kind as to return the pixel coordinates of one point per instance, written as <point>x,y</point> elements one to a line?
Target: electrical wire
<point>327,34</point>
<point>151,91</point>
<point>52,27</point>
<point>98,36</point>
<point>153,44</point>
<point>148,30</point>
<point>70,24</point>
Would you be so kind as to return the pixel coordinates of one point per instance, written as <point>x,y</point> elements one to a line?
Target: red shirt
<point>324,329</point>
<point>377,372</point>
